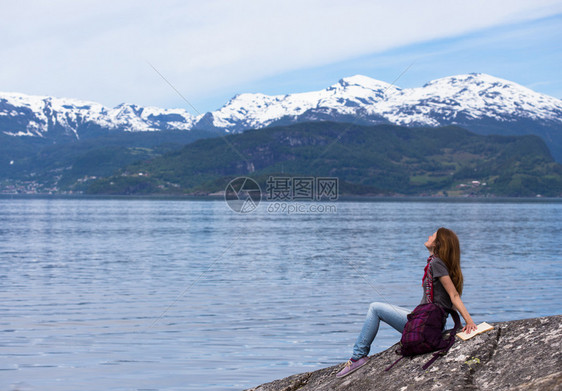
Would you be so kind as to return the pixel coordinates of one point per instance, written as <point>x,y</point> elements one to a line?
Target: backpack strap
<point>450,342</point>
<point>456,318</point>
<point>428,275</point>
<point>394,363</point>
<point>435,357</point>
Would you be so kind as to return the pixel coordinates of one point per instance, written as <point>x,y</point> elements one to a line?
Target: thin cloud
<point>97,50</point>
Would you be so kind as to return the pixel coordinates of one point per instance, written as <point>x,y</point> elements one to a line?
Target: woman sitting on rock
<point>444,262</point>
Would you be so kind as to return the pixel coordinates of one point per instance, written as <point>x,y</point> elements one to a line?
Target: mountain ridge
<point>347,95</point>
<point>380,99</point>
<point>375,159</point>
<point>479,102</point>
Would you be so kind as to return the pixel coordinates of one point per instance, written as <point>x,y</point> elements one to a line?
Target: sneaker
<point>352,366</point>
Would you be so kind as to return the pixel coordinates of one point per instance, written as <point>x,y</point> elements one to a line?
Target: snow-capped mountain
<point>479,102</point>
<point>27,115</point>
<point>355,96</point>
<point>449,100</point>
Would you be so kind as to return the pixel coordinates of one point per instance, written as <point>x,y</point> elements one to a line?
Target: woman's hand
<point>470,327</point>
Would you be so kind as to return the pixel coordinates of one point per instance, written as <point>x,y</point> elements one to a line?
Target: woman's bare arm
<point>457,303</point>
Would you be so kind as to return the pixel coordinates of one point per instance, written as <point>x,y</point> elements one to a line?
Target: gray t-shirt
<point>440,295</point>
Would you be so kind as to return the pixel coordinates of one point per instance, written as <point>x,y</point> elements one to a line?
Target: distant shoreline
<point>344,198</point>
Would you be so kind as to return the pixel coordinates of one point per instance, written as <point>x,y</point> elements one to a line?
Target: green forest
<point>367,160</point>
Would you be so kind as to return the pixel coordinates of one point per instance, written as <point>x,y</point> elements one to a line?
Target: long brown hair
<point>447,248</point>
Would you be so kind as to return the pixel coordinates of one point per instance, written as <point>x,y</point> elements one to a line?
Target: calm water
<point>188,295</point>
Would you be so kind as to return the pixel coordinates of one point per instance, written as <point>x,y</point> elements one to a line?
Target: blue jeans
<point>391,314</point>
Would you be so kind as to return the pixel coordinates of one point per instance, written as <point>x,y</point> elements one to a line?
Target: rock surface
<point>517,355</point>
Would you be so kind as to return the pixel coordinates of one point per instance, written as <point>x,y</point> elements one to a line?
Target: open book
<point>481,328</point>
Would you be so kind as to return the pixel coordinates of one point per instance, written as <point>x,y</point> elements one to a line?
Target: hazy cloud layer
<point>100,50</point>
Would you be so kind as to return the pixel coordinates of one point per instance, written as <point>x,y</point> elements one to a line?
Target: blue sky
<point>103,50</point>
<point>529,53</point>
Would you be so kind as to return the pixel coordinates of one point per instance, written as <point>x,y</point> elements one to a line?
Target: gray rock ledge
<point>517,355</point>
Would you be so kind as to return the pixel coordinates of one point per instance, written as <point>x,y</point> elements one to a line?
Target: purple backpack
<point>423,332</point>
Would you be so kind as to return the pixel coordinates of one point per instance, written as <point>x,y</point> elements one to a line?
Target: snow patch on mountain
<point>449,100</point>
<point>28,115</point>
<point>476,96</point>
<point>344,97</point>
<point>439,102</point>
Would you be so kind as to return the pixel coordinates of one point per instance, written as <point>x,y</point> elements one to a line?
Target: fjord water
<point>189,295</point>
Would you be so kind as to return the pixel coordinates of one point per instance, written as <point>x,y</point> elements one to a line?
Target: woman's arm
<point>457,303</point>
